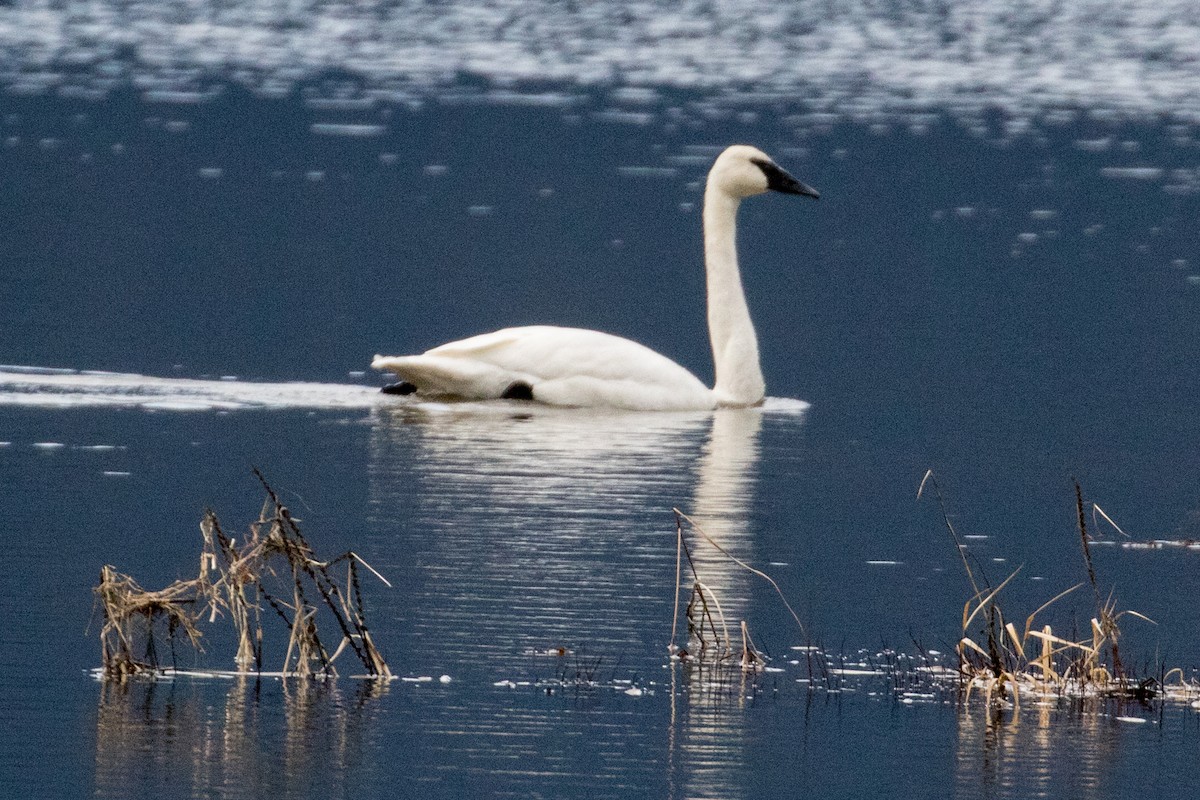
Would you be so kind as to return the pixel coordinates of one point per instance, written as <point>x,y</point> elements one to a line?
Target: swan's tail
<point>443,376</point>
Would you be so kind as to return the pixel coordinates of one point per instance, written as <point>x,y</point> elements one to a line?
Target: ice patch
<point>1132,173</point>
<point>25,370</point>
<point>784,406</point>
<point>40,387</point>
<point>37,387</point>
<point>637,118</point>
<point>648,172</point>
<point>346,129</point>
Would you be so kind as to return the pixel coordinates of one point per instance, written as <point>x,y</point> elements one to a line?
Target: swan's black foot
<point>403,387</point>
<point>518,390</point>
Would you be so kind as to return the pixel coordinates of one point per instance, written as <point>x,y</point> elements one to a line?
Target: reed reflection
<point>1047,749</point>
<point>246,739</point>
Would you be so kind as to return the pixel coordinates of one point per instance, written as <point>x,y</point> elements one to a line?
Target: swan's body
<point>577,367</point>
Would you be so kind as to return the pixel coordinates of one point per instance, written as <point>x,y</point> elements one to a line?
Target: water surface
<point>200,281</point>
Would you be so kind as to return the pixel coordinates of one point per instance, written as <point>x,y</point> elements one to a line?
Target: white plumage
<point>577,367</point>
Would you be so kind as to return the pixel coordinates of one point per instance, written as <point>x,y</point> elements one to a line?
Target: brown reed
<point>273,562</point>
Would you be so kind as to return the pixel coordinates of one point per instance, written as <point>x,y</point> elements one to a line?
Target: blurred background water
<point>1000,282</point>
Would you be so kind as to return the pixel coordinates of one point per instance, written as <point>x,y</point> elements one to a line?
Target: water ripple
<point>859,59</point>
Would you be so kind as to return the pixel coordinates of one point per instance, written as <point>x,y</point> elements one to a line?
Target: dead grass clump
<point>131,615</point>
<point>1004,661</point>
<point>273,568</point>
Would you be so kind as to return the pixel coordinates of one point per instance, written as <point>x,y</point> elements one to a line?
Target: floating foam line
<point>58,388</point>
<point>43,387</point>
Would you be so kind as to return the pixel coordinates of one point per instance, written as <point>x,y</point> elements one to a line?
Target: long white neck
<point>739,380</point>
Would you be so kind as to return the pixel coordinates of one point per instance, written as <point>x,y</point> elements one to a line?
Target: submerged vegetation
<point>273,572</point>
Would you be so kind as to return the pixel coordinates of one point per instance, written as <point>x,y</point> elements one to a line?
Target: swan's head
<point>743,171</point>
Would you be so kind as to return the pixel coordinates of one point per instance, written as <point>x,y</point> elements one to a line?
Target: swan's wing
<point>562,366</point>
<point>548,352</point>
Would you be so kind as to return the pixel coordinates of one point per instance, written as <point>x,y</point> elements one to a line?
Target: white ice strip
<point>648,172</point>
<point>29,370</point>
<point>64,389</point>
<point>1132,173</point>
<point>170,674</point>
<point>347,129</point>
<point>784,406</point>
<point>41,387</point>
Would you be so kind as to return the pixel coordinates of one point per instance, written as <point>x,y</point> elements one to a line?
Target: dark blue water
<point>1002,310</point>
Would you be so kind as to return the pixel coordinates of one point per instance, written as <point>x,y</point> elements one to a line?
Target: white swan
<point>576,367</point>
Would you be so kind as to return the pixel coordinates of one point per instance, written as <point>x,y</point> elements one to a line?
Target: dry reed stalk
<point>699,611</point>
<point>249,653</point>
<point>696,527</point>
<point>752,660</point>
<point>992,614</point>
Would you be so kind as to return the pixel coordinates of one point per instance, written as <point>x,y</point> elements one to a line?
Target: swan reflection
<point>545,528</point>
<point>553,527</point>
